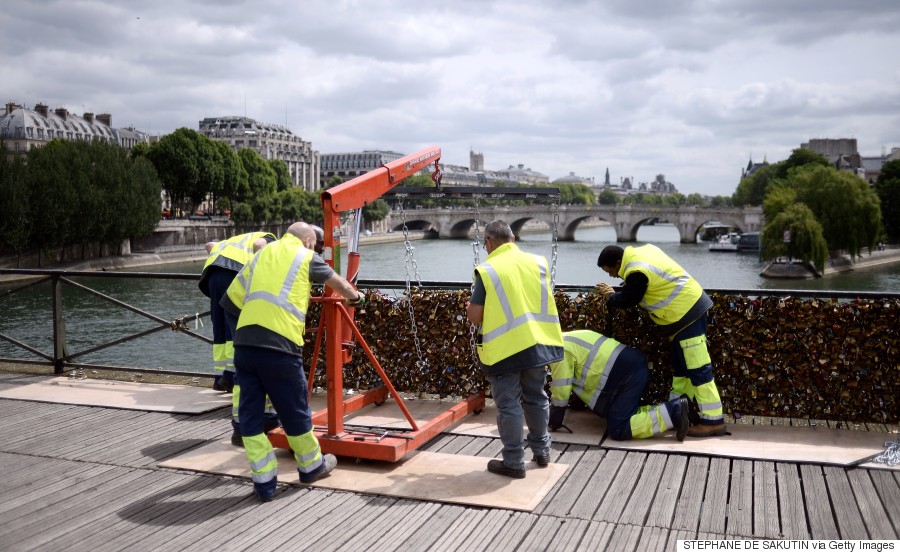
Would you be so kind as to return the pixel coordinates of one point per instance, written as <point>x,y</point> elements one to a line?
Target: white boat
<point>726,242</point>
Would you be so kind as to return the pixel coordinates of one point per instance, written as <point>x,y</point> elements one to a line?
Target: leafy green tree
<point>261,177</point>
<point>695,199</point>
<point>177,163</point>
<point>53,193</point>
<point>375,211</point>
<point>800,157</point>
<point>298,204</point>
<point>674,200</point>
<point>15,200</point>
<point>752,189</point>
<point>720,201</point>
<point>778,200</point>
<point>888,189</point>
<point>843,203</point>
<point>807,242</point>
<point>234,178</point>
<point>335,180</point>
<point>608,197</point>
<point>282,174</point>
<point>242,213</point>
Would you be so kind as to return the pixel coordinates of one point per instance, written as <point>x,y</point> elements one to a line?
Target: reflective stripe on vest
<point>588,367</point>
<point>237,248</point>
<point>513,322</point>
<point>671,291</point>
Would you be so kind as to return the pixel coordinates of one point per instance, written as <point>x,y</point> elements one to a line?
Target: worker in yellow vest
<point>226,258</point>
<point>270,296</point>
<point>609,378</point>
<point>676,303</point>
<point>519,336</point>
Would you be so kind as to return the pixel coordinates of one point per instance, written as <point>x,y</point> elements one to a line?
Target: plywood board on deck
<point>587,428</point>
<point>817,445</point>
<point>422,475</point>
<point>154,397</point>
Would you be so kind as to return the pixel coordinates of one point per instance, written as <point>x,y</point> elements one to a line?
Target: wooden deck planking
<point>846,508</point>
<point>643,496</point>
<point>574,482</point>
<point>715,501</point>
<point>791,502</point>
<point>766,522</point>
<point>887,485</point>
<point>691,504</point>
<point>818,506</point>
<point>200,511</point>
<point>740,499</point>
<point>662,509</point>
<point>597,487</point>
<point>873,512</point>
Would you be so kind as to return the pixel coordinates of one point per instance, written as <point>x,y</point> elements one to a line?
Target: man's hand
<point>359,301</point>
<point>605,289</point>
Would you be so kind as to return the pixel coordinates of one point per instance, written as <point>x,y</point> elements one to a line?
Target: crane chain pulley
<point>422,363</point>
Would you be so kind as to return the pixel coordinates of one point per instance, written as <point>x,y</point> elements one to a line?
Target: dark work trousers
<point>621,395</point>
<point>280,375</point>
<point>218,281</point>
<point>271,418</point>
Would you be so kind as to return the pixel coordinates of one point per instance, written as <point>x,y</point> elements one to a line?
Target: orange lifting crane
<point>340,331</point>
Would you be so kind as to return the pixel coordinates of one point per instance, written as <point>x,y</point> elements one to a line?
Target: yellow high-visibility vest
<point>671,291</point>
<point>273,289</point>
<point>237,248</point>
<point>519,309</point>
<point>584,369</point>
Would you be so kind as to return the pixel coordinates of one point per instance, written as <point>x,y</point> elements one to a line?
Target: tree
<point>807,242</point>
<point>778,200</point>
<point>844,204</point>
<point>608,197</point>
<point>695,199</point>
<point>282,174</point>
<point>177,163</point>
<point>261,177</point>
<point>234,177</point>
<point>752,189</point>
<point>888,189</point>
<point>298,204</point>
<point>377,210</point>
<point>800,157</point>
<point>15,199</point>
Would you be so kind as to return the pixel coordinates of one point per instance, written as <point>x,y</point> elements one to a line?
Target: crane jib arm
<point>365,189</point>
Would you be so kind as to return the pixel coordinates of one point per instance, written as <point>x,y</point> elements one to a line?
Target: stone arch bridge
<point>625,219</point>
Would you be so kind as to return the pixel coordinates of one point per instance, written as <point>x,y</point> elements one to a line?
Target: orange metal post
<point>339,327</point>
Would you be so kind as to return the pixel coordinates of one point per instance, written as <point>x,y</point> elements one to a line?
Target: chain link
<point>891,456</point>
<point>476,260</point>
<point>555,245</point>
<point>422,363</point>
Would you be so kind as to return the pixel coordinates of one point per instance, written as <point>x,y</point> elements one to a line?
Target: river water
<point>27,315</point>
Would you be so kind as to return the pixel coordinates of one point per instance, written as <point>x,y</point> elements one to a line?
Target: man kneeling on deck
<point>270,296</point>
<point>610,378</point>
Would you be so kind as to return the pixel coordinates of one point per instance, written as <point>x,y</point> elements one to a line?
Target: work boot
<point>682,421</point>
<point>237,439</point>
<point>498,467</point>
<point>329,461</point>
<point>542,460</point>
<point>693,411</point>
<point>707,430</point>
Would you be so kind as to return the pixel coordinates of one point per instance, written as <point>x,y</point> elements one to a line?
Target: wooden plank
<point>597,536</point>
<point>818,506</point>
<point>570,533</point>
<point>403,531</point>
<point>740,500</point>
<point>625,538</point>
<point>543,531</point>
<point>430,531</point>
<point>790,500</point>
<point>887,485</point>
<point>476,447</point>
<point>765,501</point>
<point>486,524</point>
<point>691,504</point>
<point>846,510</point>
<point>456,536</point>
<point>653,539</point>
<point>81,522</point>
<point>715,501</point>
<point>874,514</point>
<point>597,486</point>
<point>26,500</point>
<point>644,492</point>
<point>677,535</point>
<point>620,490</point>
<point>110,425</point>
<point>352,526</point>
<point>662,510</point>
<point>238,507</point>
<point>512,533</point>
<point>582,464</point>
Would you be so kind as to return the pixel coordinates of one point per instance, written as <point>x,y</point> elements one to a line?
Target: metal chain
<point>422,363</point>
<point>555,245</point>
<point>891,456</point>
<point>476,260</point>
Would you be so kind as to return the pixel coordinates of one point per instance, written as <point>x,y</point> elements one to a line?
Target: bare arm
<point>339,284</point>
<point>475,313</point>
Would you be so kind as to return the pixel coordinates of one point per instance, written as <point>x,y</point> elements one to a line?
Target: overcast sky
<point>689,89</point>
